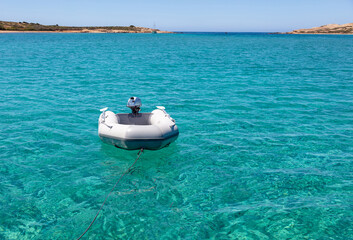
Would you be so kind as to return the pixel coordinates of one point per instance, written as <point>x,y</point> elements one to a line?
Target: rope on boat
<point>94,219</point>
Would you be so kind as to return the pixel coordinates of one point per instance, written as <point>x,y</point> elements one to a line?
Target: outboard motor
<point>134,104</point>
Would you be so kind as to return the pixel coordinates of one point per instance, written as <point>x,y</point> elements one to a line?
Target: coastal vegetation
<point>36,27</point>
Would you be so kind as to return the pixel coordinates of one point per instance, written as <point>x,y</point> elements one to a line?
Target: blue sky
<point>183,15</point>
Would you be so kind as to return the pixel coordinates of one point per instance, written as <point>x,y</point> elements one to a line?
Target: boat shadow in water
<point>149,159</point>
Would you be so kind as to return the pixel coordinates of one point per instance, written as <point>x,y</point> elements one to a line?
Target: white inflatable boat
<point>136,130</point>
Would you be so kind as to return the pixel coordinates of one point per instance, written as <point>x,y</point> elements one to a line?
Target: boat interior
<point>134,119</point>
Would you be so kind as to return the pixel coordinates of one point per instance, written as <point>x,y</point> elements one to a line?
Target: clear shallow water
<point>264,151</point>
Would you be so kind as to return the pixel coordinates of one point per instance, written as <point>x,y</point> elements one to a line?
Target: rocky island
<point>7,27</point>
<point>326,29</point>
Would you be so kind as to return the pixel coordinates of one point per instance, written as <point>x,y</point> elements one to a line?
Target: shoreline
<point>142,32</point>
<point>316,33</point>
<point>25,27</point>
<point>88,31</point>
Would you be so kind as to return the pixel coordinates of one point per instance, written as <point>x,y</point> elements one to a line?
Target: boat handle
<point>103,121</point>
<point>166,114</point>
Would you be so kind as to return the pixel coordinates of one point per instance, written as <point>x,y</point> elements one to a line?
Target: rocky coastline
<point>326,29</point>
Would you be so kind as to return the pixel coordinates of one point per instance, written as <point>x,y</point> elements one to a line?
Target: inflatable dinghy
<point>136,130</point>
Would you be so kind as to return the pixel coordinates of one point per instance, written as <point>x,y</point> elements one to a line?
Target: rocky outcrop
<point>327,29</point>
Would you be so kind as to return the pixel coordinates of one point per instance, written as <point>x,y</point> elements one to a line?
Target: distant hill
<point>327,29</point>
<point>6,26</point>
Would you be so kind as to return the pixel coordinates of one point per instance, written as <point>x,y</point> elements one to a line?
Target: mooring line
<point>138,156</point>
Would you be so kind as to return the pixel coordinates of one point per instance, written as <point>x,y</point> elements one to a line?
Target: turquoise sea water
<point>264,151</point>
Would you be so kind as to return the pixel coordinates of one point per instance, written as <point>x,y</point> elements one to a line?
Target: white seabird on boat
<point>136,130</point>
